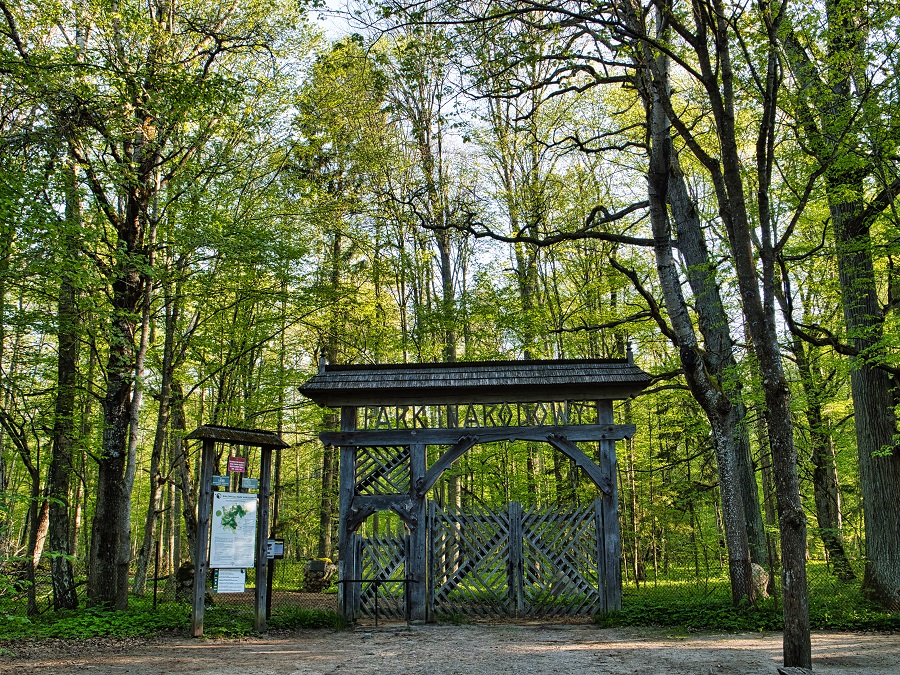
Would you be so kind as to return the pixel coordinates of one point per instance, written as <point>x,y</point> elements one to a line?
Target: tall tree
<point>843,95</point>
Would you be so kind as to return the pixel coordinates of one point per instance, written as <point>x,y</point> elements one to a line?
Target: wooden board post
<point>347,566</point>
<point>417,568</point>
<point>612,549</point>
<point>262,537</point>
<point>204,504</point>
<point>516,570</point>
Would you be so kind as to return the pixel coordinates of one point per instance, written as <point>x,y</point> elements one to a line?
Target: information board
<point>230,581</point>
<point>275,549</point>
<point>233,539</point>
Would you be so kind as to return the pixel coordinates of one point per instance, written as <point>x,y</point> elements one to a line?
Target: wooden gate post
<point>516,569</point>
<point>204,504</point>
<point>610,509</point>
<point>347,564</point>
<point>416,565</point>
<point>262,537</point>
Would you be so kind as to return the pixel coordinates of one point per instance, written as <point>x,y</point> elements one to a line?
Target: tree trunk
<point>711,397</point>
<point>825,484</point>
<point>182,468</point>
<point>172,311</point>
<point>60,471</point>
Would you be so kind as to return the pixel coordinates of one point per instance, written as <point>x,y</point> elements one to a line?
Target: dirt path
<point>456,650</point>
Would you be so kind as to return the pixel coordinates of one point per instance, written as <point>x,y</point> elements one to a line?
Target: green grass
<point>832,605</point>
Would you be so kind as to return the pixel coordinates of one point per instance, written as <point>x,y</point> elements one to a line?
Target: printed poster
<point>233,540</point>
<point>230,581</point>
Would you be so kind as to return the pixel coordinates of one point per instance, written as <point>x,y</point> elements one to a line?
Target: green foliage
<point>839,606</point>
<point>138,620</point>
<point>142,620</point>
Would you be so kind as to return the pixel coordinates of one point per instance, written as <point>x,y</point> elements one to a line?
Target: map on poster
<point>233,540</point>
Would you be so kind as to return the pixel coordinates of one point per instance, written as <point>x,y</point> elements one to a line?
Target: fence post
<point>416,563</point>
<point>514,564</point>
<point>610,507</point>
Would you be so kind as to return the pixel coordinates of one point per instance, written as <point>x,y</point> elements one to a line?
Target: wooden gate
<point>469,563</point>
<point>513,563</point>
<point>383,567</point>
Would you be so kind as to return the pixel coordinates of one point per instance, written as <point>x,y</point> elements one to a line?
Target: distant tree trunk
<point>182,467</point>
<point>835,132</point>
<point>326,505</point>
<point>172,315</point>
<point>60,471</point>
<point>825,484</point>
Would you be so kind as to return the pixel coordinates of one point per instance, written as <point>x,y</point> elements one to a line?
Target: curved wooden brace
<point>576,454</point>
<point>426,482</point>
<point>364,506</point>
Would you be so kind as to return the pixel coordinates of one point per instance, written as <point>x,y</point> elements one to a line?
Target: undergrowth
<point>140,619</point>
<point>718,613</point>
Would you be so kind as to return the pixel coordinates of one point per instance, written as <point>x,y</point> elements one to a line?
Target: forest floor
<point>477,649</point>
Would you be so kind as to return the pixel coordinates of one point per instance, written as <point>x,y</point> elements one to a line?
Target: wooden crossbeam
<point>577,433</point>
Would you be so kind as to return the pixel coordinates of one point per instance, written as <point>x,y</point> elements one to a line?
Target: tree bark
<point>60,470</point>
<point>708,394</point>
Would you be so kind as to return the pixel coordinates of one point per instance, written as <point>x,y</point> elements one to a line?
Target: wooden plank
<point>432,561</point>
<point>577,433</point>
<point>418,535</point>
<point>204,505</point>
<point>515,581</point>
<point>601,555</point>
<point>262,536</point>
<point>346,492</point>
<point>610,507</point>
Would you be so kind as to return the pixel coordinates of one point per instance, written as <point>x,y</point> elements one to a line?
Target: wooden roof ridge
<point>223,434</point>
<point>455,365</point>
<point>461,382</point>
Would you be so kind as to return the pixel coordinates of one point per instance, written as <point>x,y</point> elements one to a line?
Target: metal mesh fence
<point>292,590</point>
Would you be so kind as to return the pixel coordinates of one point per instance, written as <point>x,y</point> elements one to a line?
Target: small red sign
<point>237,464</point>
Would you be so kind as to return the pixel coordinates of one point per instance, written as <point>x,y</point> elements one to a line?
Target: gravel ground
<point>482,649</point>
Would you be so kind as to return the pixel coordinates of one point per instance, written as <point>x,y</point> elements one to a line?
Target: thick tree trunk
<point>60,471</point>
<point>873,406</point>
<point>834,126</point>
<point>711,397</point>
<point>718,352</point>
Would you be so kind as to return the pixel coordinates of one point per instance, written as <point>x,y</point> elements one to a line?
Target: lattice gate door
<point>509,563</point>
<point>469,563</point>
<point>560,554</point>
<point>382,558</point>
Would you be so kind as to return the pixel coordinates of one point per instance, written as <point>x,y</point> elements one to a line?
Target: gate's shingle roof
<point>475,382</point>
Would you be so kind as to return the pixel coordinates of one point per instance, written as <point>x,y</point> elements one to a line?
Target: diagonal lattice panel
<point>469,562</point>
<point>559,553</point>
<point>383,564</point>
<point>382,470</point>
